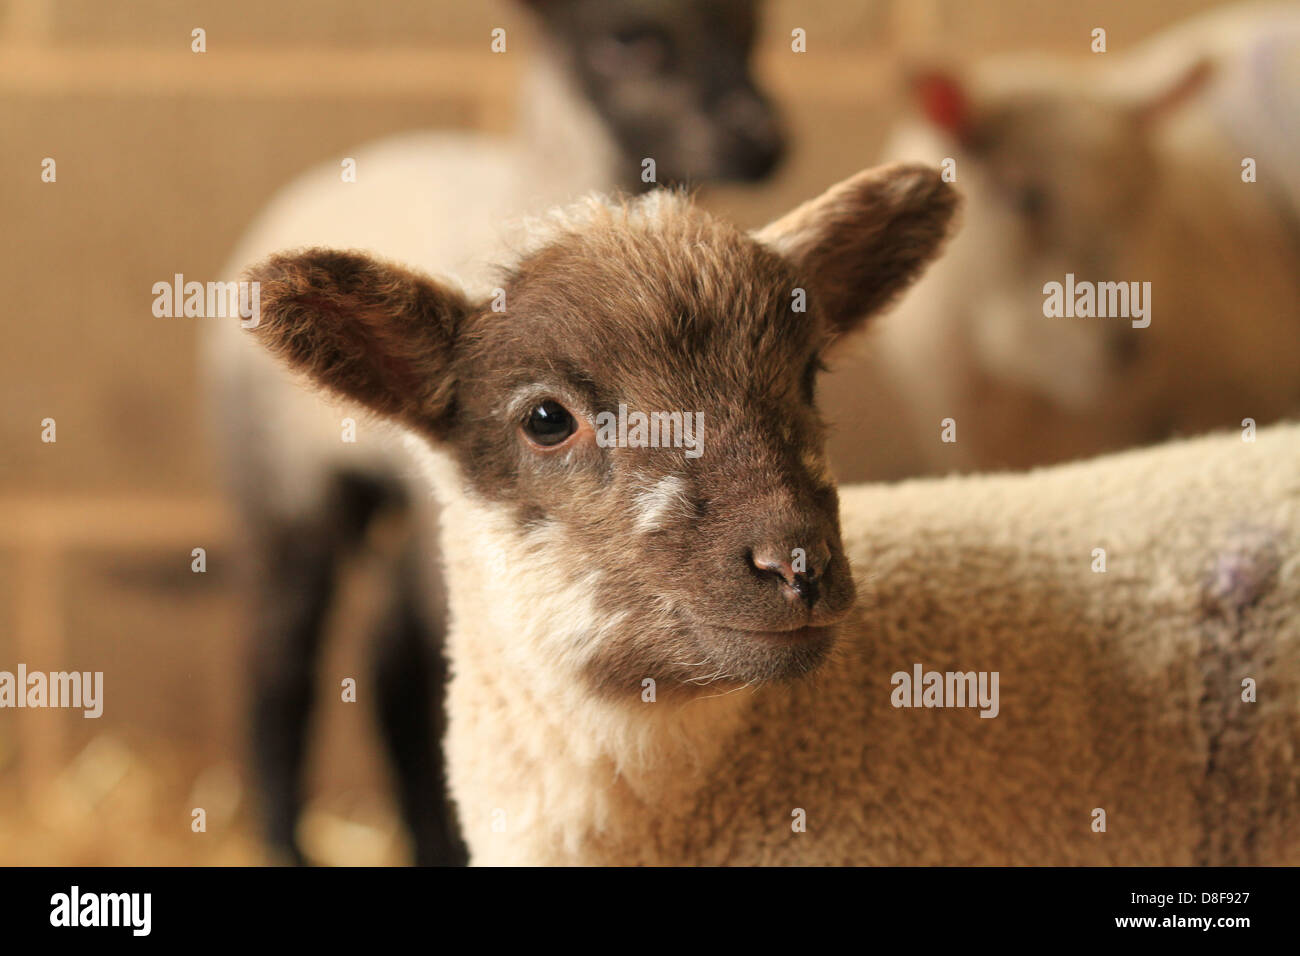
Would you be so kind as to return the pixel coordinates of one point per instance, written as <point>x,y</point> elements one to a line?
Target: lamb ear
<point>1175,93</point>
<point>862,242</point>
<point>369,331</point>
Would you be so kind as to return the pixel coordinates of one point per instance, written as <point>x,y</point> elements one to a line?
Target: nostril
<point>770,562</point>
<point>803,580</point>
<point>806,586</point>
<point>818,560</point>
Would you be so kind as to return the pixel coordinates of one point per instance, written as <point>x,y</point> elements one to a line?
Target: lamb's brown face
<point>723,552</point>
<point>639,421</point>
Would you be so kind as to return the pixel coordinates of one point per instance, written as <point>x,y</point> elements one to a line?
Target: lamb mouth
<point>759,657</point>
<point>802,634</point>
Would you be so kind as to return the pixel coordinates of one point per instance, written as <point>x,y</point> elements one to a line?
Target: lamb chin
<point>763,656</point>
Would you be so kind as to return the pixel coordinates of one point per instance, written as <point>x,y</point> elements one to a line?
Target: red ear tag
<point>944,104</point>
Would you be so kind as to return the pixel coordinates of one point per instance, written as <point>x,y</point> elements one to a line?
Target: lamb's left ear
<point>863,241</point>
<point>370,331</point>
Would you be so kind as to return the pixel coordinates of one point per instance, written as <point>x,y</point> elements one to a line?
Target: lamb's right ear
<point>863,241</point>
<point>367,330</point>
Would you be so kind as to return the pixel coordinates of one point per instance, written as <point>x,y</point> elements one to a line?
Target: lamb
<point>613,84</point>
<point>1125,167</point>
<point>659,659</point>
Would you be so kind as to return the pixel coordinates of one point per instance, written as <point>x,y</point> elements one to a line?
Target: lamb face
<point>722,544</point>
<point>1060,176</point>
<point>671,81</point>
<point>681,319</point>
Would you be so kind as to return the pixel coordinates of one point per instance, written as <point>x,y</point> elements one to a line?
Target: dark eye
<point>1031,201</point>
<point>549,423</point>
<point>635,49</point>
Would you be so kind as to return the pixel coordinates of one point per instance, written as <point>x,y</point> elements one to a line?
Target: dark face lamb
<point>672,82</point>
<point>639,407</point>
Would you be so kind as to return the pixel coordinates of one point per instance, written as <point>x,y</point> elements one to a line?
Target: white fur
<point>531,625</point>
<point>654,506</point>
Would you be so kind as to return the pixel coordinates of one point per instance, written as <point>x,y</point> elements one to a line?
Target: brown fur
<point>863,242</point>
<point>670,311</point>
<point>372,332</point>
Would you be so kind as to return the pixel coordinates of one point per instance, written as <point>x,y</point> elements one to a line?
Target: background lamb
<point>659,659</point>
<point>1114,167</point>
<point>614,83</point>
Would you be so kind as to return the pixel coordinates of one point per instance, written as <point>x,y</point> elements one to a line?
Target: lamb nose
<point>804,582</point>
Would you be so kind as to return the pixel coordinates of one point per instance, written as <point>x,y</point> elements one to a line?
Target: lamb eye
<point>640,48</point>
<point>549,423</point>
<point>1031,201</point>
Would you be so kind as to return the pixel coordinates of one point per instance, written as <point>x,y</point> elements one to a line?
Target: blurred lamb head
<point>721,568</point>
<point>1059,170</point>
<point>671,80</point>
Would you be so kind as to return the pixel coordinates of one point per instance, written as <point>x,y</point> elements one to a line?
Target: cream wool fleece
<point>1120,691</point>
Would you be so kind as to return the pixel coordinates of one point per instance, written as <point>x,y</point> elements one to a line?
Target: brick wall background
<point>163,157</point>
